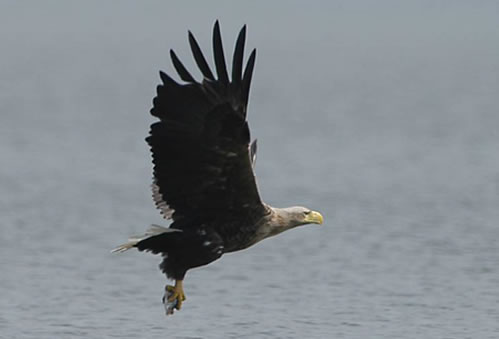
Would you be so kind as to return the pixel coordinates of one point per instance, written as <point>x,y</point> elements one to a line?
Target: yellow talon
<point>177,293</point>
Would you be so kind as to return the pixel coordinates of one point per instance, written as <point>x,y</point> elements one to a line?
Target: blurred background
<point>383,115</point>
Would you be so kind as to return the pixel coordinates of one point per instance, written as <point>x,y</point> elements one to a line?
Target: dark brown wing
<point>202,166</point>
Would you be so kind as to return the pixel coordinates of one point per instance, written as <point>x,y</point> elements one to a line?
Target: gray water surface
<point>383,116</point>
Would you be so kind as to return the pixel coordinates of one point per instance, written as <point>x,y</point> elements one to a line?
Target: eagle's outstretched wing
<point>200,146</point>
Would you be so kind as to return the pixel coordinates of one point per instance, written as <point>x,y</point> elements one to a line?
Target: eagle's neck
<point>277,221</point>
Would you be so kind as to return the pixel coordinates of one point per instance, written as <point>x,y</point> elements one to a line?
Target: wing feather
<point>218,52</point>
<point>201,145</point>
<point>237,60</point>
<point>248,73</point>
<point>199,58</point>
<point>180,68</point>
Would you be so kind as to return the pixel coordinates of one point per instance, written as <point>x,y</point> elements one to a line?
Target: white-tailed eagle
<point>203,168</point>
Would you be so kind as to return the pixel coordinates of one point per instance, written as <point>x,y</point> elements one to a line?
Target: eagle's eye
<point>306,212</point>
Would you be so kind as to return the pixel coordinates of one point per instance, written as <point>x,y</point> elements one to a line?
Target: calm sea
<point>384,117</point>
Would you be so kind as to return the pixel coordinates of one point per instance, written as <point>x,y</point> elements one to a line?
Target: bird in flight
<point>203,178</point>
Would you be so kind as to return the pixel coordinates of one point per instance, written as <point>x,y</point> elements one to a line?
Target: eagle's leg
<point>177,293</point>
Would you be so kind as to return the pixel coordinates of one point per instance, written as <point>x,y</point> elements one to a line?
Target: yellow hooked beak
<point>314,218</point>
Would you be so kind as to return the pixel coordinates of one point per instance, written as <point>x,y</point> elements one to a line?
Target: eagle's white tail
<point>151,232</point>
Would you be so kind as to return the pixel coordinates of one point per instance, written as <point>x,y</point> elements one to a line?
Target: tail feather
<point>152,231</point>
